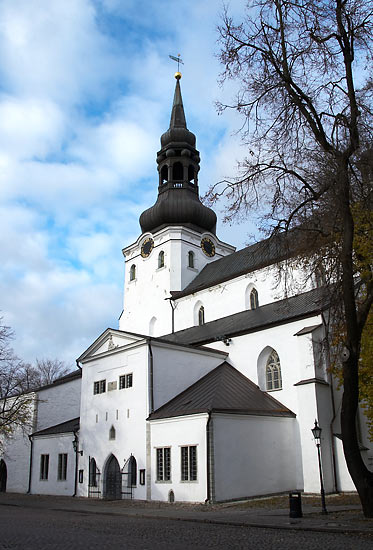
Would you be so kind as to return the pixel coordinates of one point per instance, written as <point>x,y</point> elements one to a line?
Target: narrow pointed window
<point>112,433</point>
<point>177,171</point>
<point>273,372</point>
<point>161,259</point>
<point>190,259</point>
<point>201,316</point>
<point>92,476</point>
<point>164,174</point>
<point>191,174</point>
<point>133,272</point>
<point>254,299</point>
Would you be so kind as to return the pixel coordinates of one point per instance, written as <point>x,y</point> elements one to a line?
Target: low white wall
<point>175,433</point>
<point>53,445</point>
<point>254,455</point>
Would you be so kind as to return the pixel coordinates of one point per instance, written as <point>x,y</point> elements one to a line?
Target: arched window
<point>161,259</point>
<point>112,433</point>
<point>190,259</point>
<point>191,174</point>
<point>164,174</point>
<point>152,324</point>
<point>132,272</point>
<point>132,472</point>
<point>254,299</point>
<point>273,372</point>
<point>177,171</point>
<point>201,316</point>
<point>92,477</point>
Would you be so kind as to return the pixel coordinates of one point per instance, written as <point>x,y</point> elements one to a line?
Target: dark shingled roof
<point>267,252</point>
<point>275,313</point>
<point>224,389</point>
<point>64,427</point>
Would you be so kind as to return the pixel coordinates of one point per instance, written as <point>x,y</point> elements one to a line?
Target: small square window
<point>125,381</point>
<point>99,387</point>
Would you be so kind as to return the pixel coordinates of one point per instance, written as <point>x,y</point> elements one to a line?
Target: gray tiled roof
<point>276,313</point>
<point>224,389</point>
<point>64,427</point>
<point>251,258</point>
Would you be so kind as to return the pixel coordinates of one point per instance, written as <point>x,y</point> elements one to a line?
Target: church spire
<point>178,160</point>
<point>177,114</point>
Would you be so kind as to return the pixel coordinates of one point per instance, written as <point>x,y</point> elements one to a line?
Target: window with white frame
<point>273,372</point>
<point>189,463</point>
<point>125,381</point>
<point>44,466</point>
<point>62,467</point>
<point>99,387</point>
<point>164,464</point>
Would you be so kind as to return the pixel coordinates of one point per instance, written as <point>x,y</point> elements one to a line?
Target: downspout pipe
<point>208,455</point>
<point>151,378</point>
<point>76,464</point>
<point>173,307</point>
<point>333,406</point>
<point>30,464</point>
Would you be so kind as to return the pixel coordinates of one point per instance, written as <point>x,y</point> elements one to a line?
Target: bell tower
<point>178,233</point>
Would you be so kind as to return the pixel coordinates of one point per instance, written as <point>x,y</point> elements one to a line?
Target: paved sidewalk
<point>340,519</point>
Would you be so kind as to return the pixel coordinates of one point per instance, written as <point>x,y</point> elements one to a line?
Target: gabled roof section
<point>108,341</point>
<point>257,256</point>
<point>277,313</point>
<point>70,426</point>
<point>224,390</point>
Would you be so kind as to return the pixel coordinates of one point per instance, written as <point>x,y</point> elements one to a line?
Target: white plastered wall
<point>175,433</point>
<point>255,455</point>
<point>58,403</point>
<point>53,445</point>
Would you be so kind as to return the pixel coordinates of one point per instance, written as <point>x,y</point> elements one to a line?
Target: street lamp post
<point>316,431</point>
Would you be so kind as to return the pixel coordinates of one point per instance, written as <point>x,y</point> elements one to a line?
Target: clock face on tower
<point>147,247</point>
<point>208,247</point>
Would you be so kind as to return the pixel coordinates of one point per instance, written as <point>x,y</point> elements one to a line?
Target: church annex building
<point>209,387</point>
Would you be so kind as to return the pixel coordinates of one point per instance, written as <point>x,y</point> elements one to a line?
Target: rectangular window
<point>81,476</point>
<point>189,463</point>
<point>142,477</point>
<point>62,467</point>
<point>164,464</point>
<point>125,381</point>
<point>99,387</point>
<point>44,466</point>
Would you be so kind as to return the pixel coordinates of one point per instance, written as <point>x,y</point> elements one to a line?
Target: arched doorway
<point>112,480</point>
<point>3,476</point>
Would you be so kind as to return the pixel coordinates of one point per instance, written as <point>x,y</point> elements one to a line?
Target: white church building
<point>210,386</point>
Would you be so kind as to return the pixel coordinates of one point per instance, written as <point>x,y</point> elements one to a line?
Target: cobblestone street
<point>30,528</point>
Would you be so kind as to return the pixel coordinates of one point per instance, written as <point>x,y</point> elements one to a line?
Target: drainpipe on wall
<point>151,389</point>
<point>209,449</point>
<point>76,465</point>
<point>330,377</point>
<point>173,307</point>
<point>30,464</point>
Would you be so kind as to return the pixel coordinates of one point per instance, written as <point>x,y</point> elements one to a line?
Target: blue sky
<point>86,88</point>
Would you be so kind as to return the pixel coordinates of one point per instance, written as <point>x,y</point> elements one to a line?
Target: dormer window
<point>161,259</point>
<point>190,259</point>
<point>132,272</point>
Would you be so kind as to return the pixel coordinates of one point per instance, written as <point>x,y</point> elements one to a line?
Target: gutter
<point>30,464</point>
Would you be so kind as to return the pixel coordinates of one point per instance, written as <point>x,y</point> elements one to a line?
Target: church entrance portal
<point>112,480</point>
<point>3,476</point>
